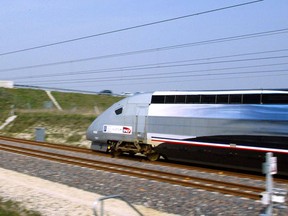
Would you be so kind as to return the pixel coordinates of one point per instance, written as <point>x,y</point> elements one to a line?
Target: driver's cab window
<point>119,111</point>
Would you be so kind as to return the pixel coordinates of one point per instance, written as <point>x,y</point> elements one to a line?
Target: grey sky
<point>207,61</point>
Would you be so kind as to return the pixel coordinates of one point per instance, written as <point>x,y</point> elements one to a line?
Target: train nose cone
<point>90,133</point>
<point>94,130</point>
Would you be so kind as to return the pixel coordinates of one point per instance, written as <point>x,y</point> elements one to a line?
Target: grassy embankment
<point>11,208</point>
<point>34,109</point>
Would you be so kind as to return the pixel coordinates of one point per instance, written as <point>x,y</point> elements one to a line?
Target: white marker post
<point>269,168</point>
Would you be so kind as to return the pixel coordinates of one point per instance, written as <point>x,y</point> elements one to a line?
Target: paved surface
<point>52,198</point>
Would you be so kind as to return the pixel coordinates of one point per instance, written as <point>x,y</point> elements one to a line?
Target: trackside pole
<point>269,168</point>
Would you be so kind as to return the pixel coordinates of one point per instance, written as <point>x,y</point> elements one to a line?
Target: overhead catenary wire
<point>161,65</point>
<point>129,28</point>
<point>153,74</point>
<point>164,76</point>
<point>121,76</point>
<point>178,72</point>
<point>202,79</point>
<point>158,49</point>
<point>160,78</point>
<point>160,81</point>
<point>180,65</point>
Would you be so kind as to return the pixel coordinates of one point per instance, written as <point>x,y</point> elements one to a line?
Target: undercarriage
<point>117,147</point>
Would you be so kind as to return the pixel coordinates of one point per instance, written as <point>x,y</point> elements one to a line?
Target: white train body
<point>192,126</point>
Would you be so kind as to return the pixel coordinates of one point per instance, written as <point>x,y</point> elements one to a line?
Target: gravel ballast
<point>162,197</point>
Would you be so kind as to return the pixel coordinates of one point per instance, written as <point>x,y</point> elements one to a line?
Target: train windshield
<point>119,111</point>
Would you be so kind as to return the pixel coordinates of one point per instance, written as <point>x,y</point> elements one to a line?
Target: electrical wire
<point>218,40</point>
<point>129,28</point>
<point>156,76</point>
<point>151,66</point>
<point>162,73</point>
<point>152,82</point>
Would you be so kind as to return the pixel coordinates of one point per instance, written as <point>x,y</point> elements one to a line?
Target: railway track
<point>140,159</point>
<point>229,188</point>
<point>45,144</point>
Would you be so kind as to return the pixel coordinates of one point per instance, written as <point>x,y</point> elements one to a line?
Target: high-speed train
<point>225,128</point>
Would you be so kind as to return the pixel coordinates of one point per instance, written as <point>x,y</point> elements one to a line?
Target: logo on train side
<point>117,129</point>
<point>127,130</point>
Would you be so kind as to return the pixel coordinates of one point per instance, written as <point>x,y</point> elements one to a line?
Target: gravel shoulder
<point>50,198</point>
<point>72,190</point>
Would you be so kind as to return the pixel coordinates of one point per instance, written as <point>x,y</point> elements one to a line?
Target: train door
<point>140,123</point>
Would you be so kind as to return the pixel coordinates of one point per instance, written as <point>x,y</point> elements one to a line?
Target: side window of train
<point>235,99</point>
<point>158,99</point>
<point>208,99</point>
<point>170,99</point>
<point>222,99</point>
<point>193,99</point>
<point>251,99</point>
<point>180,99</point>
<point>275,98</point>
<point>119,111</point>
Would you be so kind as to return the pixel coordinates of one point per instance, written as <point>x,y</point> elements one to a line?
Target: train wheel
<point>116,153</point>
<point>131,153</point>
<point>153,156</point>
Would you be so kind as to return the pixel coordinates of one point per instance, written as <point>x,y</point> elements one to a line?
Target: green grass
<point>6,99</point>
<point>77,102</point>
<point>10,208</point>
<point>74,138</point>
<point>59,127</point>
<point>26,98</point>
<point>26,121</point>
<point>34,100</point>
<point>67,126</point>
<point>64,127</point>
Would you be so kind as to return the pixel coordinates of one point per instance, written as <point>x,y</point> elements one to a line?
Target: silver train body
<point>226,128</point>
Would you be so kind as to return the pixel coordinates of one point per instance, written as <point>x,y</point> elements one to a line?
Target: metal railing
<point>100,200</point>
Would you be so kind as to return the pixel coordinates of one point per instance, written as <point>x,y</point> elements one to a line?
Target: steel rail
<point>250,192</point>
<point>161,163</point>
<point>46,144</point>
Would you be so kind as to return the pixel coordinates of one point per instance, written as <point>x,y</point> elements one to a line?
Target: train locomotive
<point>225,128</point>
